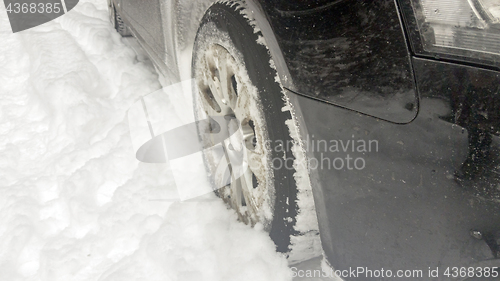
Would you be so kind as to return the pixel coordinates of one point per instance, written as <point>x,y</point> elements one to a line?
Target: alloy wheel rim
<point>226,91</point>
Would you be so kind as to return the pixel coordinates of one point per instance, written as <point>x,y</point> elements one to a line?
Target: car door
<point>151,23</point>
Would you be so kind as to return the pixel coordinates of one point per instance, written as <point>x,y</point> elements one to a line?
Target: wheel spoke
<point>210,105</point>
<point>223,80</point>
<point>239,196</point>
<point>242,107</point>
<point>247,185</point>
<point>236,159</point>
<point>222,174</point>
<point>215,91</point>
<point>207,105</point>
<point>228,82</point>
<point>257,164</point>
<point>209,76</point>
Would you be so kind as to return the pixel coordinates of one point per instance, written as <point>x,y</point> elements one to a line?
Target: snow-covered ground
<point>75,204</point>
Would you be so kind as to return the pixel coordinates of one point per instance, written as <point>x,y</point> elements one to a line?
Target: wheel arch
<point>261,22</point>
<point>252,10</point>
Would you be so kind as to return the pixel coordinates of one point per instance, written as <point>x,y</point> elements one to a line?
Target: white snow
<point>307,245</point>
<point>75,204</point>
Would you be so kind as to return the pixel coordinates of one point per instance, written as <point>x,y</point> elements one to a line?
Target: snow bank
<point>75,204</point>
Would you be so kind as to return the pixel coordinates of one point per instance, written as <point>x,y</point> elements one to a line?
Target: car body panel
<point>349,53</point>
<point>150,21</point>
<point>425,185</point>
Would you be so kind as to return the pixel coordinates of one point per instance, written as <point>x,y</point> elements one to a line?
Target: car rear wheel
<point>117,21</point>
<point>253,171</point>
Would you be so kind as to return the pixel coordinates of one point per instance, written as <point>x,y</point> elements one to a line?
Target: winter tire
<point>117,21</point>
<point>234,79</point>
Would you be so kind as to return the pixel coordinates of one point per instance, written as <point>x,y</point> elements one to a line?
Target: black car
<point>389,110</point>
